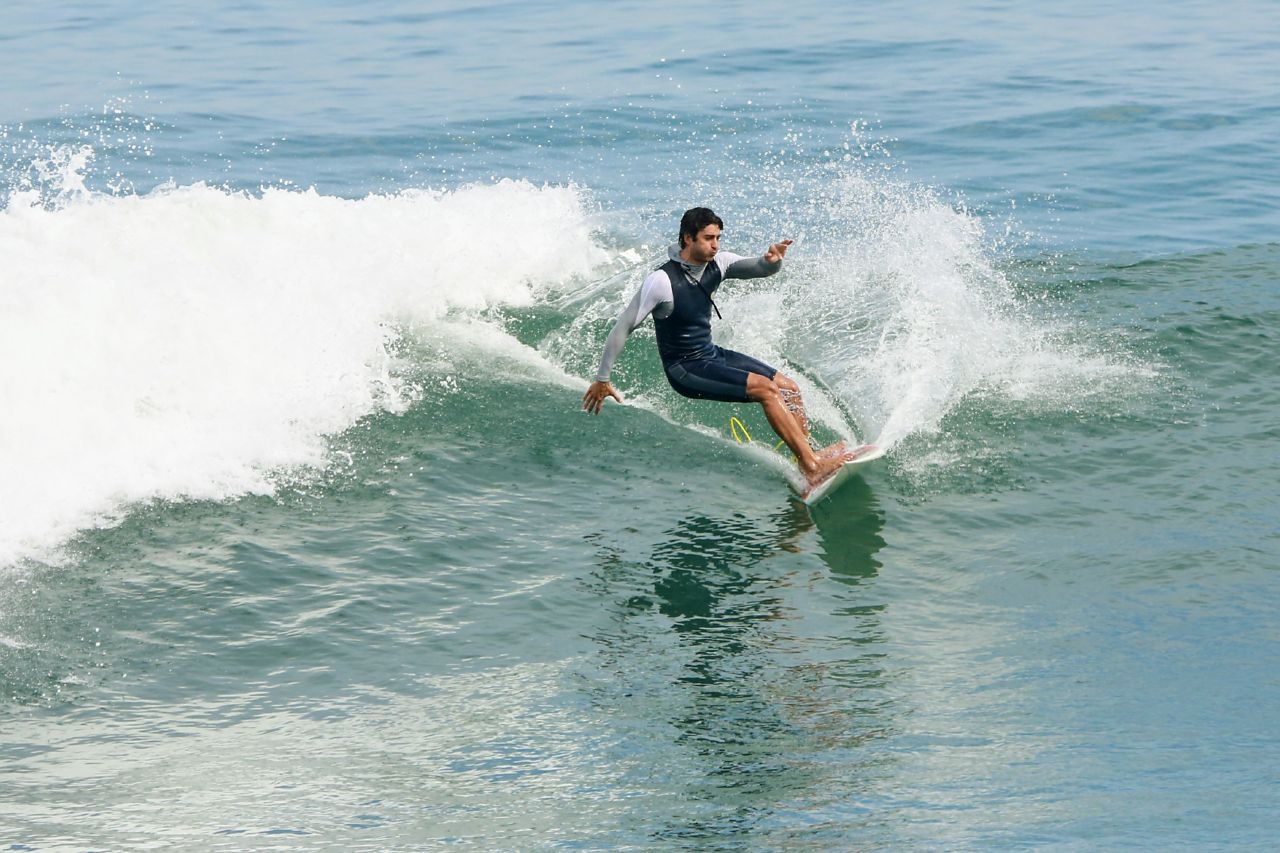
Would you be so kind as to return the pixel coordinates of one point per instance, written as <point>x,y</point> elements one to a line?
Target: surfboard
<point>864,454</point>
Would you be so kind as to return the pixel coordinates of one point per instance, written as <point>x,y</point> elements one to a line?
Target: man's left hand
<point>776,251</point>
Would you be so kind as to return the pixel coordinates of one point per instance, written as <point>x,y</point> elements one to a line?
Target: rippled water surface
<point>305,545</point>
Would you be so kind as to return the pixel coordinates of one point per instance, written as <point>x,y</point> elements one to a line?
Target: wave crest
<point>190,342</point>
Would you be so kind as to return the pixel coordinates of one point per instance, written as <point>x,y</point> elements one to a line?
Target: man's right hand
<point>593,400</point>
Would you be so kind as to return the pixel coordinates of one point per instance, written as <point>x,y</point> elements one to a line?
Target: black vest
<point>686,332</point>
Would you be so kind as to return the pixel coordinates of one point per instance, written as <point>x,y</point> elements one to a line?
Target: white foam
<point>903,310</point>
<point>188,343</point>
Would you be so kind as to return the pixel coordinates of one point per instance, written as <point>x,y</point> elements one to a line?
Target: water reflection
<point>849,525</point>
<point>745,680</point>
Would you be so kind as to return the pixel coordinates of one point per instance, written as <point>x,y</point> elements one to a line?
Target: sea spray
<point>901,303</point>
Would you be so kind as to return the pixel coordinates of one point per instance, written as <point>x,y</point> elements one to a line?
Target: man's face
<point>704,245</point>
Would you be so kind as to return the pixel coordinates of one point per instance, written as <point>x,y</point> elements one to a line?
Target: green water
<point>496,621</point>
<point>306,545</point>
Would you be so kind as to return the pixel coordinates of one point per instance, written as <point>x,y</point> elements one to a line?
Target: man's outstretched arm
<point>593,400</point>
<point>653,295</point>
<point>767,264</point>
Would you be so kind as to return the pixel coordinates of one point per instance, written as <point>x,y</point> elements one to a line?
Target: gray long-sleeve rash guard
<point>654,297</point>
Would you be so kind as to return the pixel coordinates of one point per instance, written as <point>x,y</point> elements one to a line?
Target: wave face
<point>201,343</point>
<point>195,343</point>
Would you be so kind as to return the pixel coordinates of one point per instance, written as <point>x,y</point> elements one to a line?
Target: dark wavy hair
<point>695,219</point>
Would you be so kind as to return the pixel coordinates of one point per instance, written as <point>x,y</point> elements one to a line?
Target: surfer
<point>678,295</point>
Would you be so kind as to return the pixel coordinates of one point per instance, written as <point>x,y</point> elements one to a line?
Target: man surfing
<point>678,295</point>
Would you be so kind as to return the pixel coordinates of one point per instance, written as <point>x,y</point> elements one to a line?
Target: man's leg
<point>791,399</point>
<point>795,404</point>
<point>769,394</point>
<point>790,390</point>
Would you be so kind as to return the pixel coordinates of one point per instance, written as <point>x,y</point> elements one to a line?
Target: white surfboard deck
<point>866,453</point>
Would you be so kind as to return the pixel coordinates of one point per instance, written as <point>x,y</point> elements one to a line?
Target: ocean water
<point>305,543</point>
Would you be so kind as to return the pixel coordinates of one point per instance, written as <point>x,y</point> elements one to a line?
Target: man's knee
<point>789,390</point>
<point>762,389</point>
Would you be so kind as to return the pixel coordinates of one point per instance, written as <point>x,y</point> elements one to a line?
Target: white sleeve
<point>724,260</point>
<point>655,291</point>
<point>736,266</point>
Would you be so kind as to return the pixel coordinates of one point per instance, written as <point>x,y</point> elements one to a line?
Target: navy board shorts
<point>721,377</point>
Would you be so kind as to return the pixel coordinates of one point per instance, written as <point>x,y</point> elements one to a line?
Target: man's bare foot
<point>841,448</point>
<point>825,467</point>
<point>828,463</point>
<point>832,449</point>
